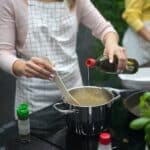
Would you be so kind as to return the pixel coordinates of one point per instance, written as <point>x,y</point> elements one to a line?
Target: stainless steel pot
<point>88,119</point>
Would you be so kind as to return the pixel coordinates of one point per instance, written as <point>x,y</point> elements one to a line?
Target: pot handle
<point>123,92</point>
<point>58,107</point>
<point>116,93</point>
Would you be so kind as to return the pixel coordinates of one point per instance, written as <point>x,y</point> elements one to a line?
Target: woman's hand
<point>113,49</point>
<point>116,50</point>
<point>35,67</point>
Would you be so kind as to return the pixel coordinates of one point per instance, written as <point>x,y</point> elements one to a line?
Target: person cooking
<point>136,39</point>
<point>47,29</point>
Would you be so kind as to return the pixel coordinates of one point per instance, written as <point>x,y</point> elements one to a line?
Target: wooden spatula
<point>67,96</point>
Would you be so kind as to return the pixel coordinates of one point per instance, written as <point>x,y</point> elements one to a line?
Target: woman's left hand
<point>116,50</point>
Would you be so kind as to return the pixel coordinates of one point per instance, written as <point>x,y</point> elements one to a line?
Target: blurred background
<point>87,46</point>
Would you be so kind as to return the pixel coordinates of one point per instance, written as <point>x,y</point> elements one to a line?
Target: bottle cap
<point>105,138</point>
<point>90,62</point>
<point>23,111</point>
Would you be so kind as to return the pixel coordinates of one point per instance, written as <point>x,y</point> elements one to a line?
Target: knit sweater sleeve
<point>93,19</point>
<point>7,36</point>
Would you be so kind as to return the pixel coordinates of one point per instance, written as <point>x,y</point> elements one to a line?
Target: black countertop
<point>50,132</point>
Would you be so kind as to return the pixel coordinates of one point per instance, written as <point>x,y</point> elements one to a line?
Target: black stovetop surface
<point>50,132</point>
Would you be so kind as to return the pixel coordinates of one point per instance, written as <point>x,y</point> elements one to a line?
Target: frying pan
<point>131,103</point>
<point>131,99</point>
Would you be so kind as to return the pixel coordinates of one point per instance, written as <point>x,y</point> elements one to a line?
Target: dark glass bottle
<point>103,64</point>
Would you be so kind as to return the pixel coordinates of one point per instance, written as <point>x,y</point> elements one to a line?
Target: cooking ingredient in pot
<point>91,97</point>
<point>103,64</point>
<point>104,141</point>
<point>23,123</point>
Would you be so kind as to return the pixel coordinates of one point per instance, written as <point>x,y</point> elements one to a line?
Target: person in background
<point>32,31</point>
<point>136,39</point>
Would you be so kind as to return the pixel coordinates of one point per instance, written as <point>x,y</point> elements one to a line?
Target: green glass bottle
<point>23,122</point>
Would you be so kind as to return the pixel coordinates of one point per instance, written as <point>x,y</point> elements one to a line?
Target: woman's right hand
<point>35,67</point>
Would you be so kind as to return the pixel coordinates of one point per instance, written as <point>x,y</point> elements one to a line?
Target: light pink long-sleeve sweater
<point>14,20</point>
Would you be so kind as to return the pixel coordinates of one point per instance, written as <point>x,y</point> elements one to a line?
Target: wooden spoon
<point>67,96</point>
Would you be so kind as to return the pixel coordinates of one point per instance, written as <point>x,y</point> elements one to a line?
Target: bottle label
<point>104,147</point>
<point>24,127</point>
<point>130,68</point>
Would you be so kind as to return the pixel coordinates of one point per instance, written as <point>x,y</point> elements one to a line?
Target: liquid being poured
<point>88,75</point>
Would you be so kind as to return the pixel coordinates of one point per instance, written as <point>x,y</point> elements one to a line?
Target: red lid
<point>105,138</point>
<point>90,62</point>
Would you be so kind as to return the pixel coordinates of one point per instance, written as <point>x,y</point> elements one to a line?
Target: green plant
<point>143,122</point>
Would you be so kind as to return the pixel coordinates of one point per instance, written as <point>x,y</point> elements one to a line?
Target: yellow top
<point>136,12</point>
